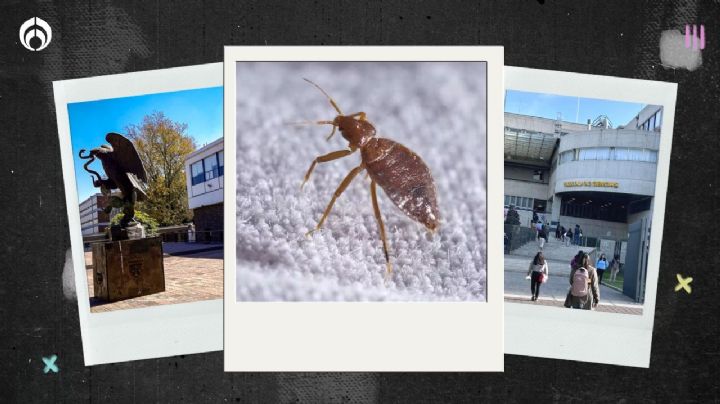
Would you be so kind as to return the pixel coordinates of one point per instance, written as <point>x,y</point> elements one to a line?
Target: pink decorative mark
<point>696,42</point>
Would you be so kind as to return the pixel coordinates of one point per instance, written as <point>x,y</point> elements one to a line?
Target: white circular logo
<point>35,34</point>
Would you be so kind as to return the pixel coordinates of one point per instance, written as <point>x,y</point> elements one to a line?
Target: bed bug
<point>399,171</point>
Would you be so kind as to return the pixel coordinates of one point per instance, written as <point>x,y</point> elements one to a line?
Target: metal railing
<point>179,233</point>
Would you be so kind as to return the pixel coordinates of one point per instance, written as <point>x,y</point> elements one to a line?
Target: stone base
<point>128,268</point>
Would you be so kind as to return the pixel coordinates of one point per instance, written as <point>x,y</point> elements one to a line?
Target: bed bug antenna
<point>317,123</point>
<point>332,102</point>
<point>303,123</point>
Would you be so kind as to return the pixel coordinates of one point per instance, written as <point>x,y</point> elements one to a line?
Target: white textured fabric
<point>436,109</point>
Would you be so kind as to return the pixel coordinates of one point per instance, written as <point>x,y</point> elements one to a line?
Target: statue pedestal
<point>128,268</point>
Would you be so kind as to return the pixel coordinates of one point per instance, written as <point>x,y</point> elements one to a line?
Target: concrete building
<point>206,168</point>
<point>599,177</point>
<point>92,217</point>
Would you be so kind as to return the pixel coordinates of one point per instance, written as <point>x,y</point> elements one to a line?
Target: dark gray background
<point>618,38</point>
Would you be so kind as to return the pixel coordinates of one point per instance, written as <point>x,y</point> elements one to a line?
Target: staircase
<point>553,250</point>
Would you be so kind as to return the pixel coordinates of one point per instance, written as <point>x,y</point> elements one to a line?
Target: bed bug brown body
<point>399,171</point>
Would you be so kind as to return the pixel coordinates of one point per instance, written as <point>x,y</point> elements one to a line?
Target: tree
<point>150,224</point>
<point>163,145</point>
<point>512,216</point>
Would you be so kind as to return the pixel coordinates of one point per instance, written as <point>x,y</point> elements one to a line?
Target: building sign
<point>597,184</point>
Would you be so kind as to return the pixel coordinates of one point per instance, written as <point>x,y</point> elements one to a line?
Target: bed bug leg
<point>323,159</point>
<point>331,133</point>
<point>376,208</point>
<point>344,184</point>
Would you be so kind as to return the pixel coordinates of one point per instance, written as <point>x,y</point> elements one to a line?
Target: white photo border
<point>327,336</point>
<point>565,334</point>
<point>144,333</point>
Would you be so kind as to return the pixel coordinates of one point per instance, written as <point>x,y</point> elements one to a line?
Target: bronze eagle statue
<point>124,170</point>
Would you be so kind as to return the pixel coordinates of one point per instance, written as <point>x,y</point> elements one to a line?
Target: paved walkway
<point>554,291</point>
<point>188,278</point>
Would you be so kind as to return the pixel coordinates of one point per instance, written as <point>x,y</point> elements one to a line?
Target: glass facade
<point>654,122</point>
<point>211,167</point>
<point>609,153</point>
<point>208,168</point>
<point>197,172</point>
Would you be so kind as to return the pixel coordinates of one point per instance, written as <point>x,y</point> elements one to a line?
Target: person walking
<point>558,232</point>
<point>538,230</point>
<point>542,236</point>
<point>576,235</point>
<point>568,237</point>
<point>614,267</point>
<point>580,235</point>
<point>584,292</point>
<point>601,266</point>
<point>537,273</point>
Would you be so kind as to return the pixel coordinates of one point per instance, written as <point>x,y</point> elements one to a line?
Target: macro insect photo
<point>361,181</point>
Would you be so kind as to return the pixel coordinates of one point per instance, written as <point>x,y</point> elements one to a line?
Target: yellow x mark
<point>683,283</point>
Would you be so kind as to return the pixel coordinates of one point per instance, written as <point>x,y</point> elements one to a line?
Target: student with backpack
<point>575,262</point>
<point>584,292</point>
<point>537,273</point>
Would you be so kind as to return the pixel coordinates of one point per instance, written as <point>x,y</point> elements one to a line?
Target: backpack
<point>580,280</point>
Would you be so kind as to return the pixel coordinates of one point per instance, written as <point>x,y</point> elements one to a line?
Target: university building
<point>206,168</point>
<point>599,177</point>
<point>92,217</point>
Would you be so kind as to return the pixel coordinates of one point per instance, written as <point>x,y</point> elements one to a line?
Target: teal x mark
<point>50,364</point>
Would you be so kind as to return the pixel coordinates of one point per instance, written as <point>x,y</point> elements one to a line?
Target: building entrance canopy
<point>613,207</point>
<point>535,148</point>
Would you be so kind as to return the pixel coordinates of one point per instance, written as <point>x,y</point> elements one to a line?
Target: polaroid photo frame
<point>556,332</point>
<point>366,335</point>
<point>142,333</point>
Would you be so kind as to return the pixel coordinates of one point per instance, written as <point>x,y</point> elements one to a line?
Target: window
<point>519,202</point>
<point>631,154</point>
<point>567,156</point>
<point>609,153</point>
<point>221,167</point>
<point>652,156</point>
<point>211,167</point>
<point>594,153</point>
<point>197,172</point>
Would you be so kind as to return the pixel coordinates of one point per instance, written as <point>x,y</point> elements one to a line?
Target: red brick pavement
<point>188,278</point>
<point>607,308</point>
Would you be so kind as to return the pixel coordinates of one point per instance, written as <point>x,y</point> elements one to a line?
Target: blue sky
<point>201,109</point>
<point>548,105</point>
